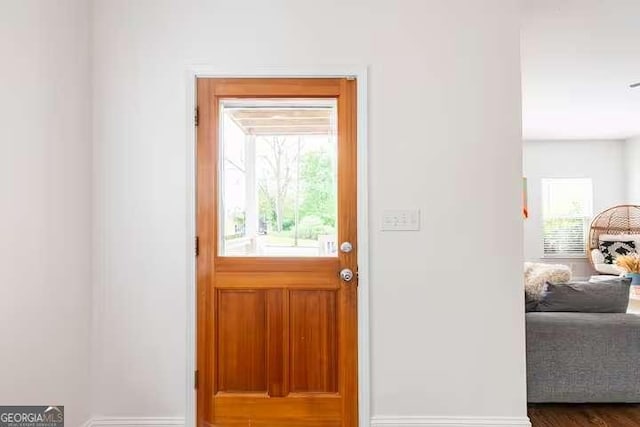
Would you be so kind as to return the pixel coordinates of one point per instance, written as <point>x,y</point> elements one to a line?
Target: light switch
<point>401,220</point>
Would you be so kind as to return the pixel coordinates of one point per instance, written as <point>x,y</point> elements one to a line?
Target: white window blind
<point>567,207</point>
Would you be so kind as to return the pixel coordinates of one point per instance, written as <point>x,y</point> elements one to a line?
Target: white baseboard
<point>380,421</point>
<point>426,421</point>
<point>135,421</point>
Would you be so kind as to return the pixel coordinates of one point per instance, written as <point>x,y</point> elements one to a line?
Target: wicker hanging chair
<point>623,219</point>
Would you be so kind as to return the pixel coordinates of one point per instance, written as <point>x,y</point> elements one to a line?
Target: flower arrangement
<point>631,263</point>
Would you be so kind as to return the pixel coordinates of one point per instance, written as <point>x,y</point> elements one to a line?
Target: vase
<point>635,284</point>
<point>635,278</point>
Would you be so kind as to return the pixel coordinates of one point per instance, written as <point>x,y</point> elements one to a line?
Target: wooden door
<point>277,324</point>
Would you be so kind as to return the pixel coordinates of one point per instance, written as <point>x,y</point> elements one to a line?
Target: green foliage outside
<point>319,188</point>
<point>315,192</point>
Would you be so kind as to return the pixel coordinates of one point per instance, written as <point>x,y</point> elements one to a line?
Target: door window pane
<point>278,186</point>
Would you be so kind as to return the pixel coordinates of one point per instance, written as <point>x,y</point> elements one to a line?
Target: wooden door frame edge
<point>364,349</point>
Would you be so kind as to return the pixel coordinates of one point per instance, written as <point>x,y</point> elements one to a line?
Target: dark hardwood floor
<point>585,415</point>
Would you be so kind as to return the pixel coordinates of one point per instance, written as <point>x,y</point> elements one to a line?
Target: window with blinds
<point>567,207</point>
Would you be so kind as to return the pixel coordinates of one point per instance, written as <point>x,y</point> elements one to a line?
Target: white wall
<point>45,184</point>
<point>632,163</point>
<point>602,161</point>
<point>447,336</point>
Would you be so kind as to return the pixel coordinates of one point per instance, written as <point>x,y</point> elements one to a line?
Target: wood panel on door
<point>277,326</point>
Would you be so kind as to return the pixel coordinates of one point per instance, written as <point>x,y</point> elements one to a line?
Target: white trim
<point>417,421</point>
<point>190,398</point>
<point>382,421</point>
<point>364,369</point>
<point>136,421</point>
<point>360,73</point>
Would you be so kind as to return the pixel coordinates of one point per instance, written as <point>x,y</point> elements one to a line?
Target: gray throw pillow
<point>609,296</point>
<point>530,303</point>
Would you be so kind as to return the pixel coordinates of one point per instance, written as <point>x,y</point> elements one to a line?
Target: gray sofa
<point>583,357</point>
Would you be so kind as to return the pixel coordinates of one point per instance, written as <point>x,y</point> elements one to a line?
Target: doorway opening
<point>276,204</point>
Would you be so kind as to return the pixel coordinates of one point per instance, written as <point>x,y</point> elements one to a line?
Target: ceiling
<point>578,59</point>
<point>283,121</point>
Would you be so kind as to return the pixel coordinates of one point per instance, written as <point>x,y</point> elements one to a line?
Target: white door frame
<point>360,73</point>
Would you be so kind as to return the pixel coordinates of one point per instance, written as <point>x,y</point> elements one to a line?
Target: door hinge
<point>195,379</point>
<point>197,246</point>
<point>196,116</point>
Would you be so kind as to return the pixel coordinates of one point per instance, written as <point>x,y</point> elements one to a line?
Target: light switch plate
<point>401,220</point>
